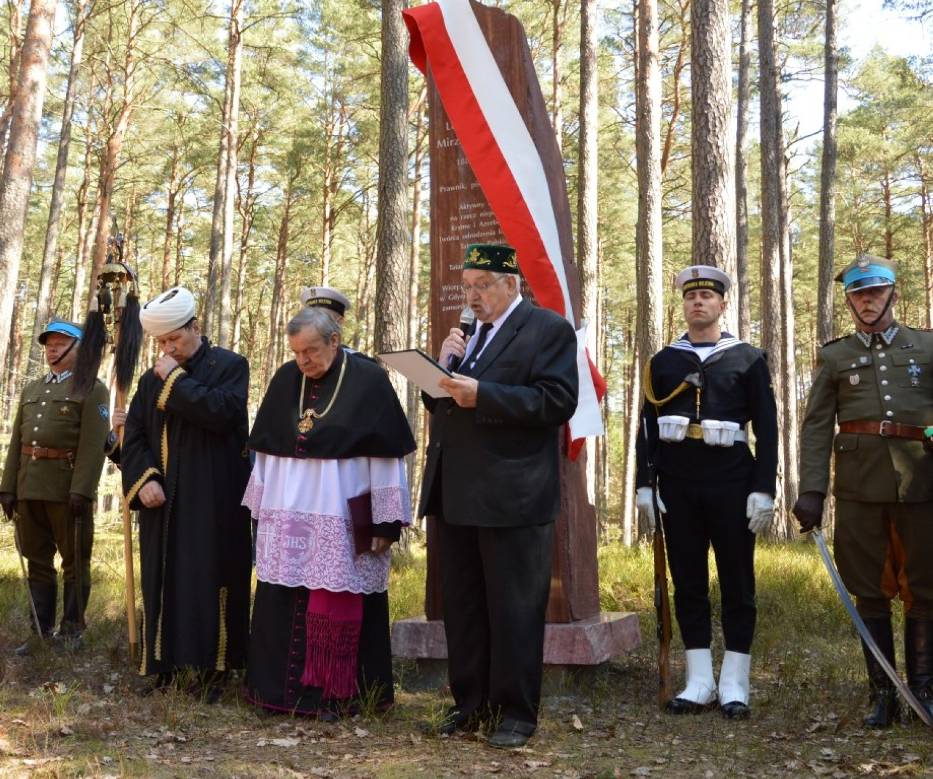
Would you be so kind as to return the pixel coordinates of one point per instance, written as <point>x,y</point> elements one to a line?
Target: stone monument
<point>577,634</point>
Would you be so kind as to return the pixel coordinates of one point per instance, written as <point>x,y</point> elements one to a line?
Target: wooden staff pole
<point>128,566</point>
<point>128,556</point>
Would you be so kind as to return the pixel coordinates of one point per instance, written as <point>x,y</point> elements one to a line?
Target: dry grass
<point>81,715</point>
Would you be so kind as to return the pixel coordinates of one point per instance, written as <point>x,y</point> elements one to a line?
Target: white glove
<point>644,502</point>
<point>759,508</point>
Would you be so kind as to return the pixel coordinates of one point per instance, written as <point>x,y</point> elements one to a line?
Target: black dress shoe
<point>735,710</point>
<point>511,734</point>
<point>679,706</point>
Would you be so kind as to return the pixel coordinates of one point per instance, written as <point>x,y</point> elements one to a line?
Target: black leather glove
<point>78,505</point>
<point>8,502</point>
<point>809,510</point>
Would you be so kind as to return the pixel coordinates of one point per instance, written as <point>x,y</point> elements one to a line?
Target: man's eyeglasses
<point>480,287</point>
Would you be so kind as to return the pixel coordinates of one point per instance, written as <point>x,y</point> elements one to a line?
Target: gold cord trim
<point>143,655</point>
<point>649,389</point>
<point>177,372</point>
<point>131,494</point>
<point>222,632</point>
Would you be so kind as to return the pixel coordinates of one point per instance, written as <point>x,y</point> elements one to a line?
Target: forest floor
<point>81,714</point>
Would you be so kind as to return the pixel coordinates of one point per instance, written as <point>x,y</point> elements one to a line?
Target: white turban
<point>169,311</point>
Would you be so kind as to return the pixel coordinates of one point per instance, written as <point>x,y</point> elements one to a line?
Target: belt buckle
<point>34,457</point>
<point>886,428</point>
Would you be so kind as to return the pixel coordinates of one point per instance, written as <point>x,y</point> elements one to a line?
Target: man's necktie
<point>480,343</point>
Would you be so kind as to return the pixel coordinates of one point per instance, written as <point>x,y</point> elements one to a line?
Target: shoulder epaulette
<point>834,340</point>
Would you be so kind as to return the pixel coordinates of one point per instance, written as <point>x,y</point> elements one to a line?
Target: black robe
<point>189,434</point>
<point>366,421</point>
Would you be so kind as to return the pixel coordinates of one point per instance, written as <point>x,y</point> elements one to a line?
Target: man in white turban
<point>185,467</point>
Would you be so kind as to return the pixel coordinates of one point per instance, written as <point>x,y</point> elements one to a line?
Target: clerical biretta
<point>330,494</point>
<point>185,466</point>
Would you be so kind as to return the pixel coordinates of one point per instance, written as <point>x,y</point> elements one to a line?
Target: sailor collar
<point>887,336</point>
<point>726,341</point>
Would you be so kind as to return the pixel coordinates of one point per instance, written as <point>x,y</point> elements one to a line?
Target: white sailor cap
<point>703,277</point>
<point>325,297</point>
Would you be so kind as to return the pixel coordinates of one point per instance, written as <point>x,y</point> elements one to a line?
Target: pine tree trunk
<point>392,282</point>
<point>53,227</point>
<point>648,229</point>
<point>234,71</point>
<point>558,9</point>
<point>20,158</point>
<point>711,141</point>
<point>587,204</point>
<point>15,26</point>
<point>278,285</point>
<point>926,226</point>
<point>741,294</point>
<point>216,252</point>
<point>772,151</point>
<point>170,198</point>
<point>788,362</point>
<point>824,315</point>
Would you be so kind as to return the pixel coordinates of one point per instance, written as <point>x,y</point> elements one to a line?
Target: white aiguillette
<point>420,368</point>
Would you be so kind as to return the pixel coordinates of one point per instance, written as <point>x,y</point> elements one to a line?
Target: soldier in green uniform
<point>877,384</point>
<point>50,479</point>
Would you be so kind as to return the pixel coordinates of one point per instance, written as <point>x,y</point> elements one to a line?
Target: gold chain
<point>308,415</point>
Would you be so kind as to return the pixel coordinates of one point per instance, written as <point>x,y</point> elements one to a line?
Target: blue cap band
<point>65,328</point>
<point>870,276</point>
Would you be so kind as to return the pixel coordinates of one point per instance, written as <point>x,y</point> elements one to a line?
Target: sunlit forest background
<point>236,147</point>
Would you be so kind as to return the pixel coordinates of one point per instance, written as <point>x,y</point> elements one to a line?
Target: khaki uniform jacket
<point>48,415</point>
<point>877,382</point>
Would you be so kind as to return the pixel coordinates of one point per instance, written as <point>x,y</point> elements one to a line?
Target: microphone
<point>467,321</point>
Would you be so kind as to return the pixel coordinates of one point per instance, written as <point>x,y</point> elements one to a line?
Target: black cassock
<point>365,421</point>
<point>189,434</point>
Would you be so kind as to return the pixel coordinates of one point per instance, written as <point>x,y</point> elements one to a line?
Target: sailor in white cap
<point>701,392</point>
<point>185,467</point>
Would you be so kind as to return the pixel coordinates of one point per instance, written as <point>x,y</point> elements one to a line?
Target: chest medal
<point>854,379</point>
<point>914,372</point>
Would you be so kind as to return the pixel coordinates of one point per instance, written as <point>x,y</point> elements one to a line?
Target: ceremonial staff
<point>114,318</point>
<point>662,605</point>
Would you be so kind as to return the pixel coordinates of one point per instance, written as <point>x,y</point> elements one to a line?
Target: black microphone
<point>467,322</point>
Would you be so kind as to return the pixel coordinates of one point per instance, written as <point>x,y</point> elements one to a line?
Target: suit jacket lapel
<point>502,338</point>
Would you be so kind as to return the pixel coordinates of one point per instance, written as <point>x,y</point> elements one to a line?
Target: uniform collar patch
<point>57,378</point>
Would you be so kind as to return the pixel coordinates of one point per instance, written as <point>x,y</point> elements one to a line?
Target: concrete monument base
<point>569,647</point>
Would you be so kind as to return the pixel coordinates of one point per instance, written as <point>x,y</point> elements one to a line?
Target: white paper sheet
<point>418,367</point>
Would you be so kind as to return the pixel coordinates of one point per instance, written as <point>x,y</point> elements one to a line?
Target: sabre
<point>860,626</point>
<point>22,565</point>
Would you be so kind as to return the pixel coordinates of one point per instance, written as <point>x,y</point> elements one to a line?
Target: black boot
<point>918,646</point>
<point>883,695</point>
<point>44,597</point>
<point>73,624</point>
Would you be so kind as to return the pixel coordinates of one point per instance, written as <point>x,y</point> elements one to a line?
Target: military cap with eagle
<point>62,326</point>
<point>703,277</point>
<point>494,257</point>
<point>866,271</point>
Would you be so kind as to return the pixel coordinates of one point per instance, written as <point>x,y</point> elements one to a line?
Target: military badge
<point>914,371</point>
<point>854,379</point>
<point>65,411</point>
<point>863,359</point>
<point>104,411</point>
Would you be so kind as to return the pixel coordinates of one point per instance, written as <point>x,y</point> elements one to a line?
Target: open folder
<point>420,368</point>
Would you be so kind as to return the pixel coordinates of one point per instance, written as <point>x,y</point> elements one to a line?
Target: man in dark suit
<point>492,484</point>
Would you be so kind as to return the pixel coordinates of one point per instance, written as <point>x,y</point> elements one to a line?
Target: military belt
<point>695,432</point>
<point>48,453</point>
<point>885,428</point>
